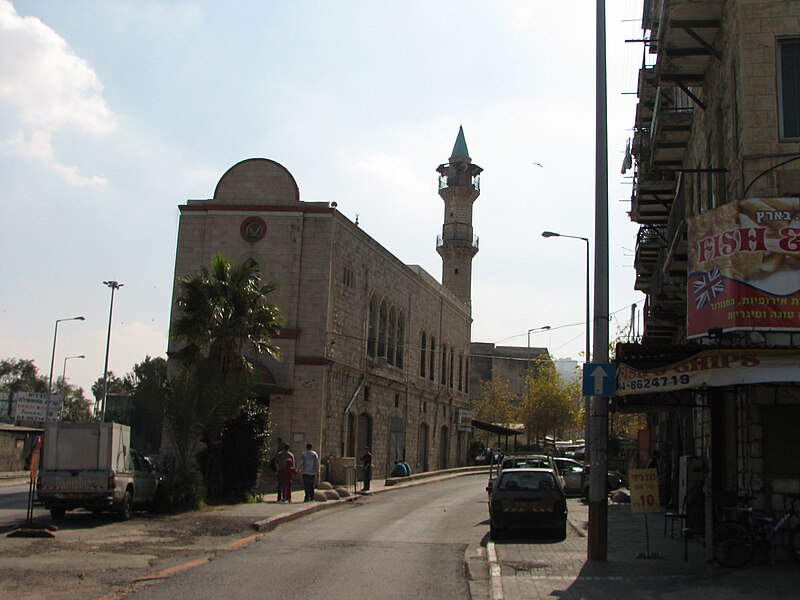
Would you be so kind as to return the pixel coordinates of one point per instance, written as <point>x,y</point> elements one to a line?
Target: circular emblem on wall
<point>253,229</point>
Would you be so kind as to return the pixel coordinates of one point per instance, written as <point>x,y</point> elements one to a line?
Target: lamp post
<point>545,328</point>
<point>64,378</point>
<point>587,357</point>
<point>52,360</point>
<point>114,285</point>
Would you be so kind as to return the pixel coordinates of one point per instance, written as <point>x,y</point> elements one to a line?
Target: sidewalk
<point>546,569</point>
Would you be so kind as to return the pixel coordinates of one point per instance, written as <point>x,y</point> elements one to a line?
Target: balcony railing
<point>457,240</point>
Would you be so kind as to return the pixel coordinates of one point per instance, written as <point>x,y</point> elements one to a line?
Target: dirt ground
<point>100,557</point>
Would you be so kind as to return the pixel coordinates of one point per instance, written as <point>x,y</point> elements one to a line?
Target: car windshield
<point>531,480</point>
<point>523,463</point>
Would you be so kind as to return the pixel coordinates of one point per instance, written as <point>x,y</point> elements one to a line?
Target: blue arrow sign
<point>599,379</point>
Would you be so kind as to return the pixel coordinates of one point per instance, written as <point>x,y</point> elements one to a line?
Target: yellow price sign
<point>644,490</point>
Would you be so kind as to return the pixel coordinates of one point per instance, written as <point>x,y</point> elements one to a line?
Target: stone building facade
<point>718,128</point>
<point>373,352</point>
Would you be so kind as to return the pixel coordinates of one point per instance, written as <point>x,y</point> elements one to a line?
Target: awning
<point>492,427</point>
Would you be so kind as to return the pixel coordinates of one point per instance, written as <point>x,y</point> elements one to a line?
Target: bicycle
<point>735,544</point>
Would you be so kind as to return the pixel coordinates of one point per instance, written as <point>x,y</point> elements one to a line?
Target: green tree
<point>149,382</point>
<point>75,407</point>
<point>495,404</point>
<point>547,406</point>
<point>223,317</point>
<point>21,375</point>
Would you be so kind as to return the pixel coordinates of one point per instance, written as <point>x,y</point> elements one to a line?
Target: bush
<point>245,445</point>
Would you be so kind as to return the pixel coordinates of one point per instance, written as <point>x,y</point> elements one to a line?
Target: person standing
<point>366,464</point>
<point>309,468</point>
<point>286,472</point>
<point>276,469</point>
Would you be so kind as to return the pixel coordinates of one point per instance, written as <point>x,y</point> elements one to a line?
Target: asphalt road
<point>13,506</point>
<point>408,543</point>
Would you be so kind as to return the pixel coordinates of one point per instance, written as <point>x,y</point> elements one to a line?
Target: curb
<point>495,573</point>
<point>271,523</point>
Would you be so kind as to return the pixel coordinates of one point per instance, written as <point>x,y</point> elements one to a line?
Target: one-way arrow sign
<point>599,379</point>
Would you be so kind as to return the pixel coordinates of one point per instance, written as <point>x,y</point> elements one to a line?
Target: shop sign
<point>744,267</point>
<point>713,368</point>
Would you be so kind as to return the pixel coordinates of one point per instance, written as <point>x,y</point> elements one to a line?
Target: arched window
<point>401,340</point>
<point>422,348</point>
<point>382,318</point>
<point>392,346</point>
<point>371,323</point>
<point>443,366</point>
<point>452,356</point>
<point>432,358</point>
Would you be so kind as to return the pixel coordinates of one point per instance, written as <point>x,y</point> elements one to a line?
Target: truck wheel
<point>58,513</point>
<point>126,508</point>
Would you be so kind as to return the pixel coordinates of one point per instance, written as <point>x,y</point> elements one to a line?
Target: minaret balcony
<point>463,241</point>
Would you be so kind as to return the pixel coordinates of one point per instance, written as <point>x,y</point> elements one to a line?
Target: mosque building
<point>374,352</point>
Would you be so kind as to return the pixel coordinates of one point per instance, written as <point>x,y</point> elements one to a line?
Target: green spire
<point>460,149</point>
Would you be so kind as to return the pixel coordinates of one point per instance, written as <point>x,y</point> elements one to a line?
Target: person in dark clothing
<point>366,463</point>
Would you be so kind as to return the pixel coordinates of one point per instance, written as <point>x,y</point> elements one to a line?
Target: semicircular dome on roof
<point>257,181</point>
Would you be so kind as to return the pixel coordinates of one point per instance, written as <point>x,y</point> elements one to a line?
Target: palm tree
<point>223,317</point>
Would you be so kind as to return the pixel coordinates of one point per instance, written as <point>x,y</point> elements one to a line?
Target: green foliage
<point>547,407</point>
<point>75,407</point>
<point>149,380</point>
<point>495,404</point>
<point>21,375</point>
<point>245,448</point>
<point>223,316</point>
<point>122,386</point>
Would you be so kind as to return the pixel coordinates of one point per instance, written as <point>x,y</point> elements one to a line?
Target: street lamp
<point>587,357</point>
<point>545,328</point>
<point>114,285</point>
<point>52,360</point>
<point>64,378</point>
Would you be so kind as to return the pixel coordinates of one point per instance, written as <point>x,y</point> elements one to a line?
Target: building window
<point>451,367</point>
<point>789,87</point>
<point>348,277</point>
<point>424,407</point>
<point>397,400</point>
<point>460,371</point>
<point>466,375</point>
<point>371,318</point>
<point>382,318</point>
<point>422,348</point>
<point>392,348</point>
<point>432,359</point>
<point>366,393</point>
<point>401,340</point>
<point>443,366</point>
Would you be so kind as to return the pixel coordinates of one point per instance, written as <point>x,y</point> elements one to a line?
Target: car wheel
<point>560,532</point>
<point>58,513</point>
<point>126,508</point>
<point>495,532</point>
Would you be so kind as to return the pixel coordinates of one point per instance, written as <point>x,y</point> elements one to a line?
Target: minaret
<point>459,187</point>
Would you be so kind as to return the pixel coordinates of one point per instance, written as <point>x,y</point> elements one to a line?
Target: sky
<point>113,113</point>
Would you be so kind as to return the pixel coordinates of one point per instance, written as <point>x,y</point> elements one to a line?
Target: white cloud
<point>48,88</point>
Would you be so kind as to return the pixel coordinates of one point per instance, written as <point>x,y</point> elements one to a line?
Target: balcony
<point>460,175</point>
<point>462,241</point>
<point>683,36</point>
<point>650,243</point>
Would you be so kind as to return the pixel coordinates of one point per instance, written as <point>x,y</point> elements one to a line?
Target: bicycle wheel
<point>794,543</point>
<point>733,545</point>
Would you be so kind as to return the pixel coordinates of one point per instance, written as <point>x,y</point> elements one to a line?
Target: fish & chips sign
<point>744,267</point>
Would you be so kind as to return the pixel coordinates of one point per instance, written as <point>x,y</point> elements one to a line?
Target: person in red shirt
<point>287,474</point>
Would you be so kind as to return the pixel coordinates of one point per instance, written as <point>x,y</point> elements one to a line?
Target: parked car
<point>576,477</point>
<point>91,466</point>
<point>530,499</point>
<point>523,461</point>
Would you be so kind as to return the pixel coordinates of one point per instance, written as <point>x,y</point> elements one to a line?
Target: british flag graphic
<point>707,287</point>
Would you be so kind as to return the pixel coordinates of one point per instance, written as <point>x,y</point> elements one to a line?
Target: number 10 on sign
<point>644,490</point>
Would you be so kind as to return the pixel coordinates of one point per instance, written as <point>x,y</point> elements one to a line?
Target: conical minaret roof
<point>460,148</point>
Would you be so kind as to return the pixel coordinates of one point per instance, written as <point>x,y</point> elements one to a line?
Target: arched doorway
<point>422,448</point>
<point>364,433</point>
<point>444,447</point>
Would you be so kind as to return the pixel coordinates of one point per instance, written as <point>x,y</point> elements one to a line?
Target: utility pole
<point>598,500</point>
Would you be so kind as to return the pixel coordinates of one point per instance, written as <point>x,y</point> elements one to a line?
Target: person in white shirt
<point>309,468</point>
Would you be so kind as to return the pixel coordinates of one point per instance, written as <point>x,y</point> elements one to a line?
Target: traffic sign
<point>599,379</point>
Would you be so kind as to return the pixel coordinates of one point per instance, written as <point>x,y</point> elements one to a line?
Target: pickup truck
<point>91,466</point>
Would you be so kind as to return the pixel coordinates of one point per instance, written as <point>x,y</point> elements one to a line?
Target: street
<point>410,543</point>
<point>13,505</point>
